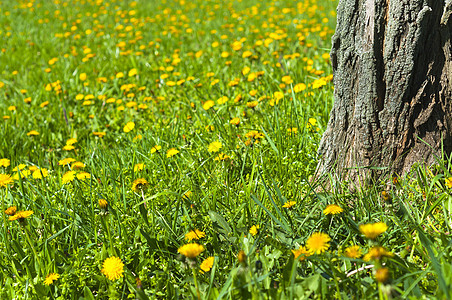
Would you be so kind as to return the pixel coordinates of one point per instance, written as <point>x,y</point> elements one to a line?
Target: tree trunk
<point>392,64</point>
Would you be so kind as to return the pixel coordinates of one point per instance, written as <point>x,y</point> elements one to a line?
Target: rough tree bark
<point>392,65</point>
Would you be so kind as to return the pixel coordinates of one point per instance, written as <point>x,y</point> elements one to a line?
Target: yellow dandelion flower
<point>10,211</point>
<point>449,182</point>
<point>5,179</point>
<point>235,121</point>
<point>139,184</point>
<point>71,141</point>
<point>68,177</point>
<point>138,167</point>
<point>376,253</point>
<point>83,175</point>
<point>254,230</point>
<point>77,165</point>
<point>385,195</point>
<point>66,161</point>
<point>32,133</point>
<point>129,127</point>
<point>103,203</point>
<point>113,268</point>
<point>299,87</point>
<point>195,235</point>
<point>206,264</point>
<point>171,152</point>
<point>353,252</point>
<point>99,134</point>
<point>241,257</point>
<point>51,278</point>
<point>214,146</point>
<point>21,215</point>
<point>382,275</point>
<point>289,204</point>
<point>301,253</point>
<point>191,250</point>
<point>208,104</point>
<point>20,167</point>
<point>252,104</point>
<point>68,148</point>
<point>156,148</point>
<point>372,230</point>
<point>82,76</point>
<point>21,174</point>
<point>4,162</point>
<point>332,209</point>
<point>40,173</point>
<point>318,243</point>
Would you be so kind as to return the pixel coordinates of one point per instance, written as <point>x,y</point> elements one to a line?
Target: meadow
<point>163,149</point>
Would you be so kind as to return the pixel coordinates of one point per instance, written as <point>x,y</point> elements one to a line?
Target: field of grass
<point>158,149</point>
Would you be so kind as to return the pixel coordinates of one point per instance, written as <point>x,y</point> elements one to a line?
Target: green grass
<point>60,64</point>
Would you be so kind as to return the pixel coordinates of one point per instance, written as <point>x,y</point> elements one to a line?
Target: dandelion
<point>99,134</point>
<point>376,253</point>
<point>133,72</point>
<point>32,133</point>
<point>139,184</point>
<point>187,195</point>
<point>5,179</point>
<point>83,175</point>
<point>299,87</point>
<point>4,162</point>
<point>156,148</point>
<point>77,165</point>
<point>191,250</point>
<point>10,211</point>
<point>171,152</point>
<point>195,235</point>
<point>68,148</point>
<point>40,173</point>
<point>66,161</point>
<point>235,121</point>
<point>289,204</point>
<point>103,203</point>
<point>68,177</point>
<point>353,252</point>
<point>382,275</point>
<point>385,195</point>
<point>372,230</point>
<point>221,156</point>
<point>254,230</point>
<point>332,209</point>
<point>21,174</point>
<point>214,147</point>
<point>113,268</point>
<point>129,127</point>
<point>241,257</point>
<point>252,104</point>
<point>317,243</point>
<point>138,167</point>
<point>71,141</point>
<point>51,278</point>
<point>301,253</point>
<point>82,76</point>
<point>206,264</point>
<point>21,215</point>
<point>208,104</point>
<point>449,182</point>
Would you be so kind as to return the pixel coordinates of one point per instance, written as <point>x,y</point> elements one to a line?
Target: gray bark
<point>392,66</point>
